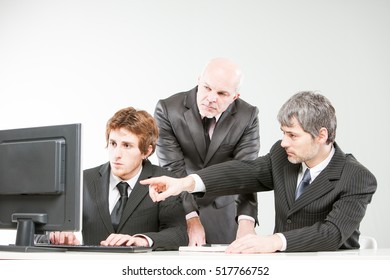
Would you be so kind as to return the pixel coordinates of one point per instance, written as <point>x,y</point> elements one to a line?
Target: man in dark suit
<point>182,148</point>
<point>131,137</point>
<point>321,193</point>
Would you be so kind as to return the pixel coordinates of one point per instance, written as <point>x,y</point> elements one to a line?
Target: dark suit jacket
<point>325,217</point>
<point>163,222</point>
<point>181,148</point>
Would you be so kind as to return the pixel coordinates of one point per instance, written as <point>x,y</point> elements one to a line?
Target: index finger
<point>149,181</point>
<point>157,183</point>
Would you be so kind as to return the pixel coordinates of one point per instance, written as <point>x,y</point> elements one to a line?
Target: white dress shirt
<point>114,195</point>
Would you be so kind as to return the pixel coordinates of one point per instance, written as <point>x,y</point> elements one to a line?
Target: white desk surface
<point>351,264</point>
<point>379,254</point>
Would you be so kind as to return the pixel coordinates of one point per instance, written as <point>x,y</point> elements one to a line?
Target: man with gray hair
<point>321,193</point>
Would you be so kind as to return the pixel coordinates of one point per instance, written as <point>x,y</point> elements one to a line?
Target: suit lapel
<point>137,195</point>
<point>317,189</point>
<point>290,177</point>
<point>324,183</point>
<point>224,125</point>
<point>194,123</point>
<point>101,186</point>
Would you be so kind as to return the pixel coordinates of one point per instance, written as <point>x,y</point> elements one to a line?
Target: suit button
<point>289,221</point>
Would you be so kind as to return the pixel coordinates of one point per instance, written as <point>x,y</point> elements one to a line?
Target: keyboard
<point>98,248</point>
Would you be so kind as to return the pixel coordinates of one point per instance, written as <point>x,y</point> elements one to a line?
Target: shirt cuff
<point>284,242</point>
<point>191,215</point>
<point>246,217</point>
<point>199,185</point>
<point>150,241</point>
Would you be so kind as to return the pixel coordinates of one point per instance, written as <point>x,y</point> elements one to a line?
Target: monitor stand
<point>25,234</point>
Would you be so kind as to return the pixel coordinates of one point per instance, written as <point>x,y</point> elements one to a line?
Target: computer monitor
<point>40,182</point>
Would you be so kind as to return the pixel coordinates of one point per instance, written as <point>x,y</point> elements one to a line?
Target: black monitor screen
<point>40,181</point>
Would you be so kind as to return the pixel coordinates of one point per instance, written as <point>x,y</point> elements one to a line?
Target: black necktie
<point>303,184</point>
<point>120,205</point>
<point>207,123</point>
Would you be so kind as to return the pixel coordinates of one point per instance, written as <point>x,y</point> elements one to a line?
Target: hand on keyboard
<point>115,239</point>
<point>63,238</point>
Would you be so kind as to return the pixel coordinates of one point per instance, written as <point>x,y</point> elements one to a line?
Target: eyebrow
<point>219,91</point>
<point>288,130</point>
<point>121,142</point>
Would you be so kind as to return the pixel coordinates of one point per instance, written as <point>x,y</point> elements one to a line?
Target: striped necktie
<point>303,184</point>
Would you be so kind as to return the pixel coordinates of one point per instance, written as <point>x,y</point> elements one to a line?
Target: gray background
<point>80,61</point>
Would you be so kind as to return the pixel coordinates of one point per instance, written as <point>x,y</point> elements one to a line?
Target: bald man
<point>185,146</point>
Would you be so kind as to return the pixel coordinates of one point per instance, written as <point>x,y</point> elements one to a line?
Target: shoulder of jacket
<point>242,103</point>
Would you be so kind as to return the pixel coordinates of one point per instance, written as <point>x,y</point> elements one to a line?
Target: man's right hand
<point>63,238</point>
<point>196,233</point>
<point>163,187</point>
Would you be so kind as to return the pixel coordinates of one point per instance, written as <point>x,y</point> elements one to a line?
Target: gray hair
<point>312,111</point>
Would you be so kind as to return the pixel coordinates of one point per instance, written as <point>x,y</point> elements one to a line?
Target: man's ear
<point>149,152</point>
<point>322,135</point>
<point>237,96</point>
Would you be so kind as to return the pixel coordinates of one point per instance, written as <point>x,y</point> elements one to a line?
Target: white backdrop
<point>80,61</point>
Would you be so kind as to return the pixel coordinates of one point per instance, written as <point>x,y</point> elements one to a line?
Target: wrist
<point>246,223</point>
<point>192,215</point>
<point>142,240</point>
<point>279,242</point>
<point>189,184</point>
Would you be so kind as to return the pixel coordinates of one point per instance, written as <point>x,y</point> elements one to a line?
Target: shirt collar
<point>316,170</point>
<point>216,117</point>
<point>132,181</point>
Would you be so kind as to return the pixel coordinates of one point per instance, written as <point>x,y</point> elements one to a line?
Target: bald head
<point>225,71</point>
<point>218,86</point>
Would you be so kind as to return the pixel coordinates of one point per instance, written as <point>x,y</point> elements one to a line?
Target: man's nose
<point>117,152</point>
<point>284,142</point>
<point>212,96</point>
